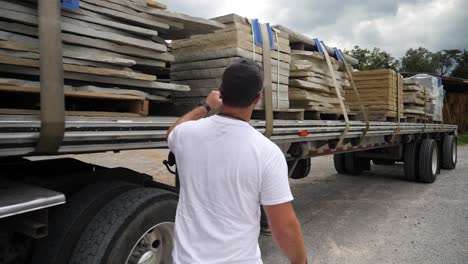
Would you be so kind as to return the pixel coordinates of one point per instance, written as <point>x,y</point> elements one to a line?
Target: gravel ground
<point>373,218</point>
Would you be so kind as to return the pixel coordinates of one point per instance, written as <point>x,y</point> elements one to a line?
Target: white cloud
<point>392,25</point>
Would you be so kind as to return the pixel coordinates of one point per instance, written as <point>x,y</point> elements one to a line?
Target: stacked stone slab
<point>201,60</point>
<point>417,101</point>
<point>311,86</point>
<point>381,93</point>
<point>111,48</point>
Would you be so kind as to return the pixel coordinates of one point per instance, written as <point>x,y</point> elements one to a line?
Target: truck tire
<point>411,160</point>
<point>339,162</point>
<point>428,161</point>
<point>302,169</point>
<point>135,227</point>
<point>352,164</point>
<point>68,221</point>
<point>449,152</point>
<point>383,162</point>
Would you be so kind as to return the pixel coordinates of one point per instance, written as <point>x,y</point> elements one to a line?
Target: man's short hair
<point>242,82</point>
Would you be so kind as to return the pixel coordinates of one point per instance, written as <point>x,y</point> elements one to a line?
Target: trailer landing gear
<point>350,163</point>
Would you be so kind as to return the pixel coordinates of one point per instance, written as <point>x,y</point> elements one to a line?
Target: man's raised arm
<point>213,100</point>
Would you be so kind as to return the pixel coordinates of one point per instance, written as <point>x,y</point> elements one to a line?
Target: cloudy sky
<point>392,25</point>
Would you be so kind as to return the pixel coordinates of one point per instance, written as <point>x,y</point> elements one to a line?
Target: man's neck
<point>237,113</point>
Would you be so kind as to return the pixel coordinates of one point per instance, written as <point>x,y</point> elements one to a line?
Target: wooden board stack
<point>112,51</point>
<point>416,100</point>
<point>311,86</point>
<point>381,92</point>
<point>201,60</point>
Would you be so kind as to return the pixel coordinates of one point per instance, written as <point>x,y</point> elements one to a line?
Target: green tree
<point>461,70</point>
<point>372,59</point>
<point>445,60</point>
<point>419,60</point>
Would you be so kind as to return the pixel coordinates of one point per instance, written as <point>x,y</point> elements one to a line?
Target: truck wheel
<point>428,161</point>
<point>411,160</point>
<point>339,161</point>
<point>135,227</point>
<point>68,221</point>
<point>302,169</point>
<point>383,162</point>
<point>352,164</point>
<point>449,152</point>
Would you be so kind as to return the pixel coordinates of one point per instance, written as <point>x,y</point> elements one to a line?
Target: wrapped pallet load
<point>201,60</point>
<point>424,98</point>
<point>381,93</point>
<point>115,56</point>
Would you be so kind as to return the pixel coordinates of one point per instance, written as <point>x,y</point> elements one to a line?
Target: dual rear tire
<point>424,159</point>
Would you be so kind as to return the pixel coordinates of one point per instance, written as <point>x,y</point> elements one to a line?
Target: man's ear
<point>257,99</point>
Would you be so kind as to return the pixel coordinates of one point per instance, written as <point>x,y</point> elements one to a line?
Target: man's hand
<point>214,100</point>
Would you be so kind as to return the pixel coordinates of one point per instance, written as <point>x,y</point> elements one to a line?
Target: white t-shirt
<point>226,169</point>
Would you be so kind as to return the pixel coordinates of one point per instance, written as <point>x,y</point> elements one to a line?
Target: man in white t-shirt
<point>227,169</point>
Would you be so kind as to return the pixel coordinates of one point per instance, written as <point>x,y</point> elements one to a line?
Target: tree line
<point>445,62</point>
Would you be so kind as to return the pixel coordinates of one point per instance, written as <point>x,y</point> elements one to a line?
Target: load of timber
<point>201,60</point>
<point>115,55</point>
<point>380,92</point>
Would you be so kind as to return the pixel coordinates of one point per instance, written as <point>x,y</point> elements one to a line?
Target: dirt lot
<point>373,218</point>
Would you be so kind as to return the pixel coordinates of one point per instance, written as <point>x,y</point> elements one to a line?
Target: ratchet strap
<point>399,90</point>
<point>340,57</point>
<point>322,49</point>
<point>277,68</point>
<point>267,91</point>
<point>425,110</point>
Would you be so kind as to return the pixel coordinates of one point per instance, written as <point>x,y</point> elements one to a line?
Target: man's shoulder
<point>265,143</point>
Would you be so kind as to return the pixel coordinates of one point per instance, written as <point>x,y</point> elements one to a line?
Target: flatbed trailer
<point>61,210</point>
<point>57,200</point>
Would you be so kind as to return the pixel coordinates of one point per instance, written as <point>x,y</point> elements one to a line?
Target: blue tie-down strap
<point>71,4</point>
<point>317,43</point>
<point>270,33</point>
<point>257,32</point>
<point>338,54</point>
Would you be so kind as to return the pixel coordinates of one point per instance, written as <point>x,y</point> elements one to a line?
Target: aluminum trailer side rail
<point>19,134</point>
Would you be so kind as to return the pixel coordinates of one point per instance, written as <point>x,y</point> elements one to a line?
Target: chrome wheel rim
<point>434,161</point>
<point>154,246</point>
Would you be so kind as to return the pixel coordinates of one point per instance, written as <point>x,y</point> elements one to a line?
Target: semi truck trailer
<point>62,210</point>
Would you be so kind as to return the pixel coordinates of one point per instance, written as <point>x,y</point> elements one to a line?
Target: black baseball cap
<point>241,83</point>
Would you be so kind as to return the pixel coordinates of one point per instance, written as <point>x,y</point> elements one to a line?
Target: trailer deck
<point>19,134</point>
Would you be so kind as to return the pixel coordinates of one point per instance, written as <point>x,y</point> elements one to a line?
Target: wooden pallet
<point>382,117</point>
<point>290,114</point>
<point>417,119</point>
<point>314,115</point>
<point>26,101</point>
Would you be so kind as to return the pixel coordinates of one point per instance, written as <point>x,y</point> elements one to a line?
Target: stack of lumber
<point>416,100</point>
<point>311,86</point>
<point>381,94</point>
<point>201,60</point>
<point>114,52</point>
